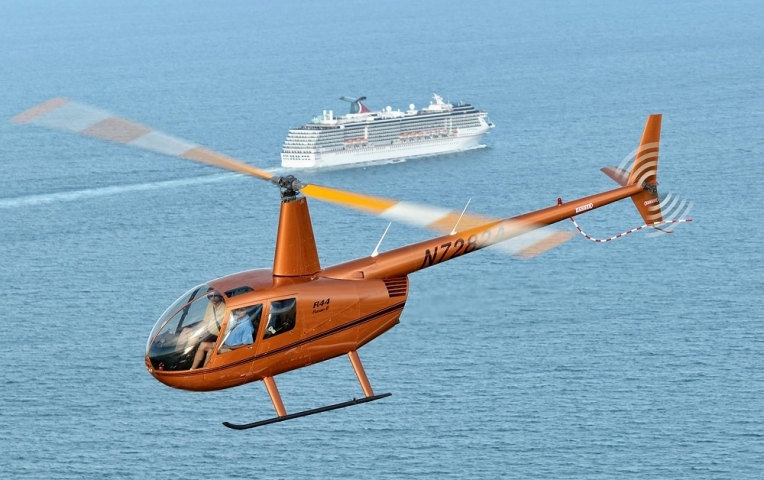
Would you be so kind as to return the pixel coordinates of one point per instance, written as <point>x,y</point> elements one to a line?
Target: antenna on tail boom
<point>376,249</point>
<point>453,231</point>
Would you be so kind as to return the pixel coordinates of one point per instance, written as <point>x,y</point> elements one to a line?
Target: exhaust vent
<point>397,287</point>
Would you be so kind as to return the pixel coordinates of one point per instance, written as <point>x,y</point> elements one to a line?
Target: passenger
<point>213,319</point>
<point>242,330</point>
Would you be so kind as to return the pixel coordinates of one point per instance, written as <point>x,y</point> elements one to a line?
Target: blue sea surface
<point>638,358</point>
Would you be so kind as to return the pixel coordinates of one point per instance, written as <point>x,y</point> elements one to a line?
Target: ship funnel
<point>355,104</point>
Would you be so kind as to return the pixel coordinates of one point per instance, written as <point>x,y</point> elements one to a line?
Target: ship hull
<point>364,136</point>
<point>393,151</point>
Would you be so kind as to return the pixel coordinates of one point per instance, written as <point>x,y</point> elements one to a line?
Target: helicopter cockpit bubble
<point>195,318</point>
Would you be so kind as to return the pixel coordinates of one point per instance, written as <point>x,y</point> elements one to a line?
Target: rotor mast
<point>296,254</point>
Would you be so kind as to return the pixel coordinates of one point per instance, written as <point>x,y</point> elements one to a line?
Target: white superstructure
<point>366,136</point>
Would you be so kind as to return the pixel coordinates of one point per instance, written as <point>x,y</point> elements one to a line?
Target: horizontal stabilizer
<point>618,174</point>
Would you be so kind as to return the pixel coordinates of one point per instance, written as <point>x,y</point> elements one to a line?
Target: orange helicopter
<point>257,324</point>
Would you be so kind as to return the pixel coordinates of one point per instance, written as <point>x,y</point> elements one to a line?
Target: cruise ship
<point>366,136</point>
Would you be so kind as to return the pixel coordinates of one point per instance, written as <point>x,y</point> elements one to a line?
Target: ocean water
<point>640,358</point>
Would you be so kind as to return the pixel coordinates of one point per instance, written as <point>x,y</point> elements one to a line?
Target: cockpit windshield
<point>185,335</point>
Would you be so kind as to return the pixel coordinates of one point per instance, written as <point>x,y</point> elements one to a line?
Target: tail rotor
<point>640,167</point>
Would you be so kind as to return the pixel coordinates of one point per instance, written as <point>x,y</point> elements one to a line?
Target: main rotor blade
<point>68,116</point>
<point>423,216</point>
<point>535,242</point>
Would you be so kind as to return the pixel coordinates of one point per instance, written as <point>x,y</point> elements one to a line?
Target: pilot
<point>213,319</point>
<point>242,330</point>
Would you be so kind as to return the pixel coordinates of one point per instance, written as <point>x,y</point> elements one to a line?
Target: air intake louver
<point>396,287</point>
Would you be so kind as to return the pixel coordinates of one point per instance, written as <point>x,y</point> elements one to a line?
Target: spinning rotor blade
<point>69,116</point>
<point>528,245</point>
<point>423,216</point>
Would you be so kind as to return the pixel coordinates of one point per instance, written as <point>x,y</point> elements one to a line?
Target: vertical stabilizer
<point>644,172</point>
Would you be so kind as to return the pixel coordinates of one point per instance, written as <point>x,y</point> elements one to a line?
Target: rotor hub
<point>650,188</point>
<point>289,186</point>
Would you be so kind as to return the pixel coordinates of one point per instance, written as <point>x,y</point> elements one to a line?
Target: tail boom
<point>640,184</point>
<point>411,258</point>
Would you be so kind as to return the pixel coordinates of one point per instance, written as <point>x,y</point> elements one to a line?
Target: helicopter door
<point>278,329</point>
<point>241,330</point>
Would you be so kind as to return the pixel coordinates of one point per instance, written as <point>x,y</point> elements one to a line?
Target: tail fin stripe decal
<point>648,146</point>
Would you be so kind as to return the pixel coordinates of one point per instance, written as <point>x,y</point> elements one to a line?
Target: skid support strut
<point>273,392</point>
<point>355,360</point>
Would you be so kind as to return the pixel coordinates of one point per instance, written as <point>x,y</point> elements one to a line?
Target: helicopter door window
<point>242,327</point>
<point>281,317</point>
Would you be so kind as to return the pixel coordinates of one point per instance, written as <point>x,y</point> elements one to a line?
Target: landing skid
<point>305,413</point>
<point>273,392</point>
